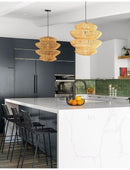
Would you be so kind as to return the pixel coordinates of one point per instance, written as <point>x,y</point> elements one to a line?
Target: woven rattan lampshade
<point>86,36</point>
<point>47,47</point>
<point>48,59</point>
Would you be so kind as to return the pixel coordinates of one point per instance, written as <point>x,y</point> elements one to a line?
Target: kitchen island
<point>94,135</point>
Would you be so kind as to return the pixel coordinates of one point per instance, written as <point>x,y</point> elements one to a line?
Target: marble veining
<point>95,135</point>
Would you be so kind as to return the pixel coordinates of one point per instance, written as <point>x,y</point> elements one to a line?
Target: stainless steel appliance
<point>63,85</point>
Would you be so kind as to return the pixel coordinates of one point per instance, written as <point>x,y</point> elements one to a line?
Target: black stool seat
<point>10,116</point>
<point>37,124</point>
<point>11,120</point>
<point>48,130</point>
<point>47,118</point>
<point>34,114</point>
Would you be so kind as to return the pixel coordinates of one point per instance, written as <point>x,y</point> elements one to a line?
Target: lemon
<point>78,98</point>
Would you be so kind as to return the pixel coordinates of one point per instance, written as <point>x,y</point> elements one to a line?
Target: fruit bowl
<point>75,102</point>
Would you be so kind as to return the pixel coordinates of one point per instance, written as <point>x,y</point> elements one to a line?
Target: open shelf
<point>124,77</point>
<point>124,57</point>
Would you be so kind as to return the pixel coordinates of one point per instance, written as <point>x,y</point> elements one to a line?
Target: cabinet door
<point>24,78</point>
<point>6,52</point>
<point>45,79</point>
<point>64,67</point>
<point>67,52</point>
<point>24,43</point>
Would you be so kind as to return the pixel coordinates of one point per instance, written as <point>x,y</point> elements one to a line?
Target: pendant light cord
<point>47,11</point>
<point>85,11</point>
<point>48,23</point>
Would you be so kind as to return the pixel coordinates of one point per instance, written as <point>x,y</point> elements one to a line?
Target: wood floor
<point>40,160</point>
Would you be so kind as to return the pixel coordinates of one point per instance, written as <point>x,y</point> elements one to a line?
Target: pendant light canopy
<point>86,36</point>
<point>47,45</point>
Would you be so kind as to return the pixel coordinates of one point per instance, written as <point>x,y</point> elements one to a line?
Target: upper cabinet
<point>67,52</point>
<point>65,63</point>
<point>6,52</point>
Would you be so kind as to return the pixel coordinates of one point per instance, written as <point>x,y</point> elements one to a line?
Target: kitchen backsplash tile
<point>101,86</point>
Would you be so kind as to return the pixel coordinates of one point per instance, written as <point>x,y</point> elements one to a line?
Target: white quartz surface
<point>56,104</point>
<point>95,135</point>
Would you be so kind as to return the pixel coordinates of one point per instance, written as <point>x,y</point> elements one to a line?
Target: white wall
<point>115,30</point>
<point>111,30</point>
<point>82,67</point>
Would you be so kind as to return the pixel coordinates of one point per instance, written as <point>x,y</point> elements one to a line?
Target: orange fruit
<point>70,101</point>
<point>74,102</point>
<point>78,98</point>
<point>80,102</point>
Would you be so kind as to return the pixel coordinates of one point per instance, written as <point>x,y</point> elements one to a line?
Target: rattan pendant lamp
<point>86,36</point>
<point>47,45</point>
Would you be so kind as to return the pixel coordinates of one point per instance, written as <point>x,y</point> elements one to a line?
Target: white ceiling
<point>27,18</point>
<point>63,12</point>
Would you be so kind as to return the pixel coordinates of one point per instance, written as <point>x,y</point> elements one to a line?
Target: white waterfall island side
<point>94,135</point>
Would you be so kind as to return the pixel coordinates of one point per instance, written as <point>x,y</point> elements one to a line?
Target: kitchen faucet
<point>74,87</point>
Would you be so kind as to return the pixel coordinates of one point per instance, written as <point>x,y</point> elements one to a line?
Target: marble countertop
<point>55,104</point>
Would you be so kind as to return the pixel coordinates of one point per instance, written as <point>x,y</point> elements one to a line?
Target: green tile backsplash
<point>101,87</point>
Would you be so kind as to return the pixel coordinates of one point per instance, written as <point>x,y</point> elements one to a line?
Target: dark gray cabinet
<point>24,78</point>
<point>45,79</point>
<point>65,63</point>
<point>67,52</point>
<point>33,78</point>
<point>6,72</point>
<point>19,81</point>
<point>6,52</point>
<point>64,67</point>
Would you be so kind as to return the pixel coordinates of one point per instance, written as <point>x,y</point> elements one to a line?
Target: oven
<point>63,84</point>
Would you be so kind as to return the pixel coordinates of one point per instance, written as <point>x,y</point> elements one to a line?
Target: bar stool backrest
<point>5,111</point>
<point>15,114</point>
<point>27,120</point>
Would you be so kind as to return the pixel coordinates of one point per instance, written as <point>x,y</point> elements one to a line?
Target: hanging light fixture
<point>86,36</point>
<point>47,45</point>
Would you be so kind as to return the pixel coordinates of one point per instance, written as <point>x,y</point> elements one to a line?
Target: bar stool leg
<point>32,142</point>
<point>45,149</point>
<point>3,137</point>
<point>20,149</point>
<point>13,145</point>
<point>50,149</point>
<point>10,141</point>
<point>25,148</point>
<point>37,143</point>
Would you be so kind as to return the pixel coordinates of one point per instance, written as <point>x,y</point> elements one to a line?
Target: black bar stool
<point>8,118</point>
<point>20,126</point>
<point>20,130</point>
<point>30,128</point>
